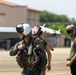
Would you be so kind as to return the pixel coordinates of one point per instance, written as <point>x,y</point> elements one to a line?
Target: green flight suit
<point>72,53</point>
<point>73,49</point>
<point>40,65</point>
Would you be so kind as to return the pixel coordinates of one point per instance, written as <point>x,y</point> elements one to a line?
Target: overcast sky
<point>66,7</point>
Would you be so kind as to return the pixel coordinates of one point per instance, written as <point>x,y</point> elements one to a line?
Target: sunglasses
<point>69,31</point>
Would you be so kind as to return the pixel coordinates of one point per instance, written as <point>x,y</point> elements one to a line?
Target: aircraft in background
<point>9,36</point>
<point>10,32</point>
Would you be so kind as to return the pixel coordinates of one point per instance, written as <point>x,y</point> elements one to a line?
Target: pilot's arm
<point>14,50</point>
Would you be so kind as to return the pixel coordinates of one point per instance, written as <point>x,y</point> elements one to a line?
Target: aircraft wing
<point>10,32</point>
<point>50,31</point>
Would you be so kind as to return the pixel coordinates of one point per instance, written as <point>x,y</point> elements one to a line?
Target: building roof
<point>13,5</point>
<point>8,3</point>
<point>31,9</point>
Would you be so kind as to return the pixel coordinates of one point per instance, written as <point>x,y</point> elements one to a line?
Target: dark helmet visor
<point>19,29</point>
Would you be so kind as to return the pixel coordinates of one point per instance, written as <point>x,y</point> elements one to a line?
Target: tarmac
<point>8,65</point>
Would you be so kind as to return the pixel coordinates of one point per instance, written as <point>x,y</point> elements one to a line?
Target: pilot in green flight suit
<point>31,50</point>
<point>71,61</point>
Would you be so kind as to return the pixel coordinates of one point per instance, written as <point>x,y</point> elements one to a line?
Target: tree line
<point>48,17</point>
